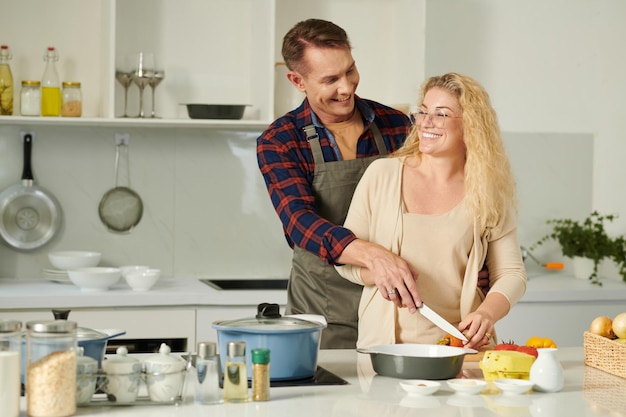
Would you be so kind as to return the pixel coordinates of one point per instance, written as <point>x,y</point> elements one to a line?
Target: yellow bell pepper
<point>540,342</point>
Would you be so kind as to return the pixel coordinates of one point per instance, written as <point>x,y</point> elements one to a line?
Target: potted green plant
<point>588,239</point>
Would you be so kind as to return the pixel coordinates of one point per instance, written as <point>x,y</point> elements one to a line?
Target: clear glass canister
<point>10,347</point>
<point>51,368</point>
<point>72,99</point>
<point>30,98</point>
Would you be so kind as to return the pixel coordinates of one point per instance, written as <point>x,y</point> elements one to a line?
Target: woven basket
<point>605,354</point>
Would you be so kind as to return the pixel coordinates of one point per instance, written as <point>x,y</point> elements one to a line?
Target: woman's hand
<point>478,328</point>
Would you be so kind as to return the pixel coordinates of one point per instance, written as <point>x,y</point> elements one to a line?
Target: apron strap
<point>316,148</point>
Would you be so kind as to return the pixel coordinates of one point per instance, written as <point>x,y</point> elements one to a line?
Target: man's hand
<point>393,276</point>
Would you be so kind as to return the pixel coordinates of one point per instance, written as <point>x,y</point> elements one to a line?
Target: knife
<point>441,322</point>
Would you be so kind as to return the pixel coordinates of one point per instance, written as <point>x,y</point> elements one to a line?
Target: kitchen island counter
<point>587,392</point>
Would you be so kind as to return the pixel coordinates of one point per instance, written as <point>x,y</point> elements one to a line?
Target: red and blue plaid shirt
<point>286,162</point>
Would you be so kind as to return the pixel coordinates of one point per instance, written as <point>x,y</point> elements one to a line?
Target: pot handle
<point>61,313</point>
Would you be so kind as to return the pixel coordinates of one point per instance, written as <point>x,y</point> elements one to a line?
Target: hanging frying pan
<point>121,207</point>
<point>29,215</point>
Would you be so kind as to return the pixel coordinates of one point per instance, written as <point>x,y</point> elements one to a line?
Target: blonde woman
<point>445,202</point>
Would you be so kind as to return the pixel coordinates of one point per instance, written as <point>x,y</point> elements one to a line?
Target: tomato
<point>450,340</point>
<point>540,342</point>
<point>528,350</point>
<point>506,346</point>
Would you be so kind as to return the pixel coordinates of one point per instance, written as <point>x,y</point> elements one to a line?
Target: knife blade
<point>441,322</point>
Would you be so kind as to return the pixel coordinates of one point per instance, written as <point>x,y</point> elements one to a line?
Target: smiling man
<point>312,159</point>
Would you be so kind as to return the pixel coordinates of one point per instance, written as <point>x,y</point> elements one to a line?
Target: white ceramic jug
<point>546,372</point>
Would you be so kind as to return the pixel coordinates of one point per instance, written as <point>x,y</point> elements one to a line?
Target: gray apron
<point>315,287</point>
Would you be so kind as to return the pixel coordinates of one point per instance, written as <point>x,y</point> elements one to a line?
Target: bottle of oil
<point>50,85</point>
<point>235,373</point>
<point>6,82</point>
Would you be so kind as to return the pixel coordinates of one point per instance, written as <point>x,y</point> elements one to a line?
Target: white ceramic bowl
<point>467,386</point>
<point>142,280</point>
<point>72,259</point>
<point>513,386</point>
<point>95,278</point>
<point>420,386</point>
<point>128,269</point>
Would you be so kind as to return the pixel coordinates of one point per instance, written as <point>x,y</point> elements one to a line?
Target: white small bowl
<point>467,386</point>
<point>420,386</point>
<point>72,259</point>
<point>127,269</point>
<point>513,386</point>
<point>142,280</point>
<point>95,278</point>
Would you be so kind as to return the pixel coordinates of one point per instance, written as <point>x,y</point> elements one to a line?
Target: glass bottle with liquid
<point>6,82</point>
<point>50,85</point>
<point>235,373</point>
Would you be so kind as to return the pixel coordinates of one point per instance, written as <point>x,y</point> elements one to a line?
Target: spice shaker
<point>235,373</point>
<point>10,384</point>
<point>207,374</point>
<point>30,98</point>
<point>260,374</point>
<point>51,368</point>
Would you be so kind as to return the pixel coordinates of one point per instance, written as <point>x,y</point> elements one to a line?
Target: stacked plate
<point>56,275</point>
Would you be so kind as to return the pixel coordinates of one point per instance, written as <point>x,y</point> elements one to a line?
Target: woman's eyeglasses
<point>437,118</point>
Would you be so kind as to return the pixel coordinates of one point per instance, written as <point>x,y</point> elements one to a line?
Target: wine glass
<point>143,71</point>
<point>123,74</point>
<point>157,77</point>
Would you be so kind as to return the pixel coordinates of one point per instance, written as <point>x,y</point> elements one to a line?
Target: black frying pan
<point>29,215</point>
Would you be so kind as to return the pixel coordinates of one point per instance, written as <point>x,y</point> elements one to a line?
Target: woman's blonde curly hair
<point>489,182</point>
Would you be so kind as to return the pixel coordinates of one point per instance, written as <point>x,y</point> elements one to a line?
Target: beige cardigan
<point>375,215</point>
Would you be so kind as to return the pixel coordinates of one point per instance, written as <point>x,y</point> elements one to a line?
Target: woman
<point>445,202</point>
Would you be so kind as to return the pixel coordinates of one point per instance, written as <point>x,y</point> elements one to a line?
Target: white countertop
<point>44,294</point>
<point>367,394</point>
<point>543,287</point>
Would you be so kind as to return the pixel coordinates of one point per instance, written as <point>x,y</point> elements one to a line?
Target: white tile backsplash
<point>206,209</point>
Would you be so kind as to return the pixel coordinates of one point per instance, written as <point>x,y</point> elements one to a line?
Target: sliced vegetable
<point>450,340</point>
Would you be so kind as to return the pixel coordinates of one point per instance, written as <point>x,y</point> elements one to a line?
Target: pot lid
<point>85,333</point>
<point>269,319</point>
<point>164,358</point>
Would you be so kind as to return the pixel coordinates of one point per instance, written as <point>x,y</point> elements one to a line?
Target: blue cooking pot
<point>293,341</point>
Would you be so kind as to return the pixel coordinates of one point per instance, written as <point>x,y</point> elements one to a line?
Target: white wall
<point>550,66</point>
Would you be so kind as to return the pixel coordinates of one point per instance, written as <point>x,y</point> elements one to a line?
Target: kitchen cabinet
<point>217,51</point>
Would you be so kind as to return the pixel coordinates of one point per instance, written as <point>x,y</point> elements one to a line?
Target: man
<point>312,159</point>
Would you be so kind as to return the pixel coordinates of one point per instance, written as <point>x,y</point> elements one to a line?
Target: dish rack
<point>101,398</point>
<point>605,354</point>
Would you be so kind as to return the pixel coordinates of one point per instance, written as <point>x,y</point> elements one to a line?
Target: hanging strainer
<point>121,208</point>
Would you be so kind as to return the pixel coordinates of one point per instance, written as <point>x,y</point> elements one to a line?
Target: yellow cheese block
<point>498,364</point>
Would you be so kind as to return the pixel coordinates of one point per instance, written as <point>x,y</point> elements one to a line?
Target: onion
<point>619,325</point>
<point>602,326</point>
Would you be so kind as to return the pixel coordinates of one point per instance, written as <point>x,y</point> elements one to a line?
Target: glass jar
<point>50,368</point>
<point>72,99</point>
<point>10,347</point>
<point>30,98</point>
<point>207,374</point>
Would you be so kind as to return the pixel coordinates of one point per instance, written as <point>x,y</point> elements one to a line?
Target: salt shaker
<point>51,368</point>
<point>235,373</point>
<point>207,374</point>
<point>10,347</point>
<point>260,374</point>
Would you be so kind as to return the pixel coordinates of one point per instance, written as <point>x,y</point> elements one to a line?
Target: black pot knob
<point>268,311</point>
